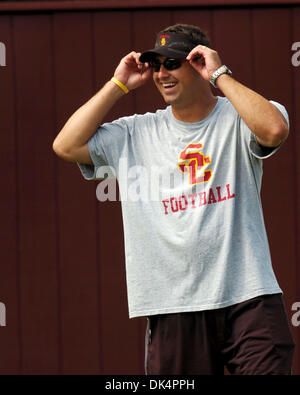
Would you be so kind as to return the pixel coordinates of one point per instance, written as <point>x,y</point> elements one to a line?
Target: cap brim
<point>163,51</point>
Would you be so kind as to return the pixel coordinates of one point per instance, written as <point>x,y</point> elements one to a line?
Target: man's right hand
<point>131,72</point>
<point>71,143</point>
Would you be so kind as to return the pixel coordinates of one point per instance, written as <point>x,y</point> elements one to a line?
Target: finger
<point>131,57</point>
<point>145,66</point>
<point>137,59</point>
<point>201,51</point>
<point>197,59</point>
<point>146,74</point>
<point>197,51</point>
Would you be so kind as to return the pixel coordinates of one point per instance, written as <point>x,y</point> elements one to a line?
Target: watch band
<point>221,70</point>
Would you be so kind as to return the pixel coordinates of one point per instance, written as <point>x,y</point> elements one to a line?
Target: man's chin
<point>169,99</point>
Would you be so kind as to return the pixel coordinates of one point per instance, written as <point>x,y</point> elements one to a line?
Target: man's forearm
<point>261,116</point>
<point>86,120</point>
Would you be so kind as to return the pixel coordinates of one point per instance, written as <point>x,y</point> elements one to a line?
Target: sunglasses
<point>169,64</point>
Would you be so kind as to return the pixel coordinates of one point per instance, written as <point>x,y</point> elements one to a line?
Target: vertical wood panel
<point>198,17</point>
<point>34,113</point>
<point>9,335</point>
<point>235,50</point>
<point>146,25</point>
<point>226,23</point>
<point>120,349</point>
<point>296,179</point>
<point>273,78</point>
<point>110,46</point>
<point>79,273</point>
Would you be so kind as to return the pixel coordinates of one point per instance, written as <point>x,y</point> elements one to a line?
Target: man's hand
<point>204,60</point>
<point>131,72</point>
<point>262,117</point>
<point>71,143</point>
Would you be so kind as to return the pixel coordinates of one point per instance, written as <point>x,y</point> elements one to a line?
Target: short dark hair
<point>195,34</point>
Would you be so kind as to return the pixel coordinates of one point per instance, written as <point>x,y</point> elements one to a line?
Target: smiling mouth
<point>168,85</point>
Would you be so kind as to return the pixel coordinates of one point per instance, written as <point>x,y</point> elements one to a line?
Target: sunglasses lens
<point>169,64</point>
<point>172,64</point>
<point>155,65</point>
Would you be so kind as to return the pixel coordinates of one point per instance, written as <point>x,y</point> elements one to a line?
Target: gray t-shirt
<point>194,231</point>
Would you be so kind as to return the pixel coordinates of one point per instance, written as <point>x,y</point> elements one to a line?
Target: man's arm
<point>261,116</point>
<point>71,143</point>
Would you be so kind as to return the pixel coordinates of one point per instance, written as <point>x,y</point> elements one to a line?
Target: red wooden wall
<point>61,258</point>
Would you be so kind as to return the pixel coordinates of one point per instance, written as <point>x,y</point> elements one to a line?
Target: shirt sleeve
<point>256,149</point>
<point>105,148</point>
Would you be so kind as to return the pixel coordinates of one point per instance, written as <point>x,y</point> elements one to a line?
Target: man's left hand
<point>204,60</point>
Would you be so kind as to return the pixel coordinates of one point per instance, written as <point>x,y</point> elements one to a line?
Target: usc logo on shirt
<point>192,162</point>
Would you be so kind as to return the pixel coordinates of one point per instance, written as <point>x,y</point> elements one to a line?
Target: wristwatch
<point>221,70</point>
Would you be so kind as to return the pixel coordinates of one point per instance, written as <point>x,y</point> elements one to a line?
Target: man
<point>197,257</point>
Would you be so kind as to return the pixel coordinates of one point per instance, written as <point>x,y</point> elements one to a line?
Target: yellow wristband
<point>120,85</point>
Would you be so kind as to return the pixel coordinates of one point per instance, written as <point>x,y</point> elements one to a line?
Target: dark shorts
<point>252,337</point>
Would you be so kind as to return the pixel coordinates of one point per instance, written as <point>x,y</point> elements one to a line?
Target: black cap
<point>171,45</point>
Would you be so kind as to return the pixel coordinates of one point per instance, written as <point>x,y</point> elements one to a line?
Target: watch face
<point>224,70</point>
<point>221,70</point>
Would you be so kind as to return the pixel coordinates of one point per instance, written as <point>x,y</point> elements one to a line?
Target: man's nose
<point>162,72</point>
